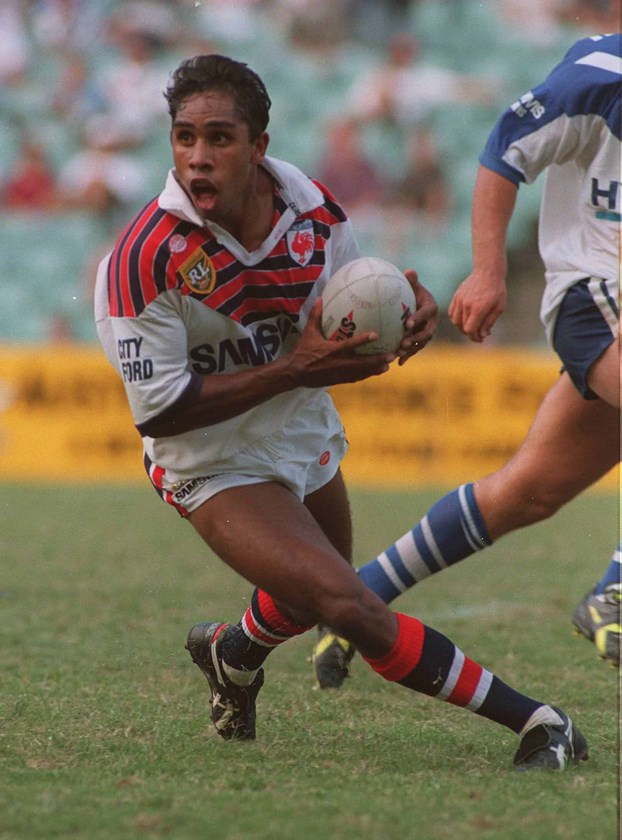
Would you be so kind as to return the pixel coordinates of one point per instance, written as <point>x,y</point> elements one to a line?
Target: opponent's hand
<point>317,362</point>
<point>422,324</point>
<point>476,305</point>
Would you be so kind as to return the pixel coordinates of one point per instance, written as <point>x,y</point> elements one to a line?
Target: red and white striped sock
<point>262,628</point>
<point>426,661</point>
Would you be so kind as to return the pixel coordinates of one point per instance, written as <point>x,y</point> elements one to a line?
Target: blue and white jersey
<point>570,125</point>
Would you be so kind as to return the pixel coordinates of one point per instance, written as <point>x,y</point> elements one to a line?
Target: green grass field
<point>104,730</point>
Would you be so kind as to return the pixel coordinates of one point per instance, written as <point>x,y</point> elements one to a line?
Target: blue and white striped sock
<point>451,530</point>
<point>612,575</point>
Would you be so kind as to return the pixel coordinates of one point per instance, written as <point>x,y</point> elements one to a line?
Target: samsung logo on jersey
<point>256,350</point>
<point>528,104</point>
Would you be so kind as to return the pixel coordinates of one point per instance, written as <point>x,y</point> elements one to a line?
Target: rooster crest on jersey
<point>301,241</point>
<point>364,295</point>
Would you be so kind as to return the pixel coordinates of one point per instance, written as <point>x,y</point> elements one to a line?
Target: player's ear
<point>260,145</point>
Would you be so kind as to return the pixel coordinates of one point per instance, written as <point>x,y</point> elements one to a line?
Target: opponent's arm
<point>481,298</point>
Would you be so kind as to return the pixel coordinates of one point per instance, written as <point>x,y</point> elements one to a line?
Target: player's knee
<point>353,615</point>
<point>518,502</point>
<point>538,505</point>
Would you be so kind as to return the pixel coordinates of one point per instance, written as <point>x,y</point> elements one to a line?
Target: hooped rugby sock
<point>426,661</point>
<point>452,530</point>
<point>262,628</point>
<point>612,575</point>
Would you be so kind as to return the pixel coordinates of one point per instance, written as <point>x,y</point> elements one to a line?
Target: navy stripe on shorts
<point>587,323</point>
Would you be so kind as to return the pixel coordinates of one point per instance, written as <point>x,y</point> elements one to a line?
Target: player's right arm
<point>167,397</point>
<point>481,298</point>
<point>313,363</point>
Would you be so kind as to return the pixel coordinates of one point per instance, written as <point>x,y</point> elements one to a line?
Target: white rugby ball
<point>364,295</point>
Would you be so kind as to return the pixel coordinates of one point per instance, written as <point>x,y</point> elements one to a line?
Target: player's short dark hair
<point>218,72</point>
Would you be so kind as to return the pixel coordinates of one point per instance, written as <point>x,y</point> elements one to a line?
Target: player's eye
<point>219,138</point>
<point>183,136</point>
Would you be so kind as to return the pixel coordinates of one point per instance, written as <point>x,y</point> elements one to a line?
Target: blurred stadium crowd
<point>388,101</point>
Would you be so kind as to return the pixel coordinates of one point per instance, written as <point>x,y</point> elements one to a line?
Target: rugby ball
<point>367,294</point>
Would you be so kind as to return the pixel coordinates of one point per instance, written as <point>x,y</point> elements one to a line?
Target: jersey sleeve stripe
<point>603,61</point>
<point>141,261</point>
<point>185,399</point>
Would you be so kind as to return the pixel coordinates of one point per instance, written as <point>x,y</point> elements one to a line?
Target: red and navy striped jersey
<point>179,299</point>
<point>157,252</point>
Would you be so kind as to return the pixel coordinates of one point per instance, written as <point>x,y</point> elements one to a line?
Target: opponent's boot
<point>331,659</point>
<point>597,617</point>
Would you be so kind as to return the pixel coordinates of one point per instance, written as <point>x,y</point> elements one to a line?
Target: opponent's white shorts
<point>302,462</point>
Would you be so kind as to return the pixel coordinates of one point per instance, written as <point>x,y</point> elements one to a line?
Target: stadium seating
<point>48,262</point>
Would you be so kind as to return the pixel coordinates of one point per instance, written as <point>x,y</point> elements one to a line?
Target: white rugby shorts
<point>303,462</point>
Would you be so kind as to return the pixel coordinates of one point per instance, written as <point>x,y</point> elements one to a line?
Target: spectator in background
<point>231,21</point>
<point>103,178</point>
<point>15,55</point>
<point>132,84</point>
<point>74,97</point>
<point>31,183</point>
<point>62,26</point>
<point>375,21</point>
<point>422,193</point>
<point>344,165</point>
<point>316,27</point>
<point>537,22</point>
<point>403,89</point>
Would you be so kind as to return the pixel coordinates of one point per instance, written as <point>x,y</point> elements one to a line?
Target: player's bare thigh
<point>270,538</point>
<point>572,443</point>
<point>331,509</point>
<point>605,375</point>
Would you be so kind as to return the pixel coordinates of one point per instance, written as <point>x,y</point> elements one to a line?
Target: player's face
<point>214,156</point>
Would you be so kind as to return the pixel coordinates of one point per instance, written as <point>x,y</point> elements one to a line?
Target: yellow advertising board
<point>64,416</point>
<point>450,415</point>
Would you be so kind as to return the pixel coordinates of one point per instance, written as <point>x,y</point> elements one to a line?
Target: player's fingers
<point>349,345</point>
<point>413,278</point>
<point>315,313</point>
<point>471,327</point>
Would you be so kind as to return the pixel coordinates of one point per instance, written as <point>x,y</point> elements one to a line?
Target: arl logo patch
<point>301,241</point>
<point>198,272</point>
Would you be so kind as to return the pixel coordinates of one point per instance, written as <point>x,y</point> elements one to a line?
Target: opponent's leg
<point>570,445</point>
<point>451,530</point>
<point>612,574</point>
<point>605,375</point>
<point>268,537</point>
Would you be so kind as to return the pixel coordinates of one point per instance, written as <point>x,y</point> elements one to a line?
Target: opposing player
<point>570,126</point>
<point>208,308</point>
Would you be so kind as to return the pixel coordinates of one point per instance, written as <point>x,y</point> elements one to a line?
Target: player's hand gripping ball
<point>367,294</point>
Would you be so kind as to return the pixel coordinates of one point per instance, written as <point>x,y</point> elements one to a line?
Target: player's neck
<point>254,224</point>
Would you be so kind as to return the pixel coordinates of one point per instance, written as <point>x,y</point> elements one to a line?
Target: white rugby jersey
<point>179,298</point>
<point>571,124</point>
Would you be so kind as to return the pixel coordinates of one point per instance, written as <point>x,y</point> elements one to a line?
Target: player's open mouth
<point>204,193</point>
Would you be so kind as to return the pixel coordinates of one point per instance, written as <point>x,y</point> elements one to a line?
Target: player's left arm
<point>421,325</point>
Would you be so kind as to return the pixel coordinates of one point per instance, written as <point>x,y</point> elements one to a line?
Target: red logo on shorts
<point>324,458</point>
